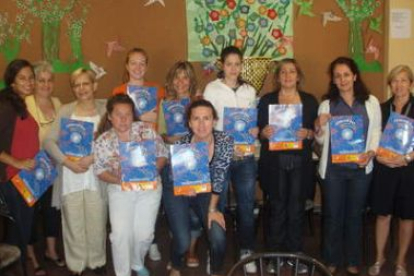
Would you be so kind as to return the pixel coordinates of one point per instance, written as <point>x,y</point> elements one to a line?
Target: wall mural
<point>357,13</point>
<point>259,28</point>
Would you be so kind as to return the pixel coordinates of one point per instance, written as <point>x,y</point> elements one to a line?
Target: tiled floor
<point>312,247</point>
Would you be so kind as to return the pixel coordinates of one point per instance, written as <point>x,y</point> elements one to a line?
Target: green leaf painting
<point>260,28</point>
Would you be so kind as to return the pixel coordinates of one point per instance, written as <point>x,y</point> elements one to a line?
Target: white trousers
<point>132,215</point>
<point>84,216</point>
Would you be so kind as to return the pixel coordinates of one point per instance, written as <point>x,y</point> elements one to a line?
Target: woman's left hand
<point>254,132</point>
<point>217,217</point>
<point>393,162</point>
<point>302,133</point>
<point>86,161</point>
<point>365,158</point>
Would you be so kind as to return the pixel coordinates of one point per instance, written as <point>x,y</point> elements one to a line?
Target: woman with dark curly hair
<point>345,186</point>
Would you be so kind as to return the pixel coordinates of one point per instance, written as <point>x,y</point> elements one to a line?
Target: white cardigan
<point>373,137</point>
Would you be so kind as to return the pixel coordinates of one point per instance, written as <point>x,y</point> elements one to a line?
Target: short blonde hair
<point>399,69</point>
<point>42,66</point>
<point>188,69</point>
<point>78,72</point>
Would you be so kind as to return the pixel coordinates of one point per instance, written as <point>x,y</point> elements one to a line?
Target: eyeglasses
<point>80,85</point>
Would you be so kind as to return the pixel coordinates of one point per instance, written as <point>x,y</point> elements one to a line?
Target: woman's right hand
<point>74,166</point>
<point>150,116</point>
<point>24,164</point>
<point>218,217</point>
<point>320,122</point>
<point>267,132</point>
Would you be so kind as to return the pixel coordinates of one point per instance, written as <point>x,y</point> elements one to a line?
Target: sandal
<point>40,271</point>
<point>192,261</point>
<point>375,269</point>
<point>58,261</point>
<point>400,270</point>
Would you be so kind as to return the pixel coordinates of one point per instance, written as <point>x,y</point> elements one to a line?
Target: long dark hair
<point>8,93</point>
<point>230,50</point>
<point>361,92</point>
<point>105,124</point>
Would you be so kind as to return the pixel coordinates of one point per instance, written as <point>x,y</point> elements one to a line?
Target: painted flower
<point>206,40</point>
<point>231,4</point>
<point>282,50</point>
<point>263,22</point>
<point>220,39</point>
<point>277,33</point>
<point>220,25</point>
<point>251,27</point>
<point>281,10</point>
<point>238,43</point>
<point>271,13</point>
<point>199,28</point>
<point>250,42</point>
<point>232,33</point>
<point>207,52</point>
<point>209,28</point>
<point>244,9</point>
<point>214,15</point>
<point>243,32</point>
<point>253,16</point>
<point>250,1</point>
<point>262,10</point>
<point>240,23</point>
<point>224,13</point>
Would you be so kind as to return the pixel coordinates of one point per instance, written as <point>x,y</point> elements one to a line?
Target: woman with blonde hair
<point>393,189</point>
<point>83,204</point>
<point>43,107</point>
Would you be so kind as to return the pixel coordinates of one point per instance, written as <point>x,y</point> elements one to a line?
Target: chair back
<point>314,266</point>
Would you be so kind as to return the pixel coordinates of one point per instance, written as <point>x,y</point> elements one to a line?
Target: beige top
<point>43,123</point>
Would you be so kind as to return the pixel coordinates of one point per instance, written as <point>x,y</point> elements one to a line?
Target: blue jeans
<point>19,231</point>
<point>344,200</point>
<point>243,175</point>
<point>178,210</point>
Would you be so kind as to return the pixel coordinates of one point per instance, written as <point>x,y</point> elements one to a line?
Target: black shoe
<point>100,270</point>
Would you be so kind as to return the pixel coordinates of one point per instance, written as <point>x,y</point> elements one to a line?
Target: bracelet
<point>212,210</point>
<point>407,158</point>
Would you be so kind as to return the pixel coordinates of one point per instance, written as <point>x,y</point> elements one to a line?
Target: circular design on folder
<point>347,134</point>
<point>239,125</point>
<point>39,174</point>
<point>76,137</point>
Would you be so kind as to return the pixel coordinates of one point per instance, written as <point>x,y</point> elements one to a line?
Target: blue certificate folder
<point>286,120</point>
<point>238,122</point>
<point>138,165</point>
<point>174,114</point>
<point>75,138</point>
<point>397,136</point>
<point>33,184</point>
<point>190,168</point>
<point>144,97</point>
<point>347,138</point>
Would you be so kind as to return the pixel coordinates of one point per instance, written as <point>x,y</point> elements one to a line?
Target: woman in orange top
<point>136,65</point>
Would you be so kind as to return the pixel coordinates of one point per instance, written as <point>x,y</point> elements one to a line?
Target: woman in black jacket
<point>283,174</point>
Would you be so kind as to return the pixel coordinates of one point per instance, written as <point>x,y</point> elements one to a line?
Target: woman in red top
<point>136,65</point>
<point>19,144</point>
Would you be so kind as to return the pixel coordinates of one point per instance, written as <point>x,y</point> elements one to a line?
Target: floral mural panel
<point>260,28</point>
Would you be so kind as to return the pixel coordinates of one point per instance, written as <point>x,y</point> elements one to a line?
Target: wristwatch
<point>407,158</point>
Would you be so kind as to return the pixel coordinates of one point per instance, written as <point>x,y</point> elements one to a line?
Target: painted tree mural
<point>357,11</point>
<point>51,14</point>
<point>12,34</point>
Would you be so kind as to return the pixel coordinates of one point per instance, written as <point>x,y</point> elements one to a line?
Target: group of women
<point>31,120</point>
